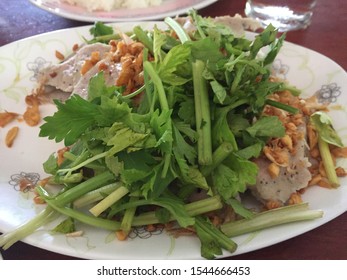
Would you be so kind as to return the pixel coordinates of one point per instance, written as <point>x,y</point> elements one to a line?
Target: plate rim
<point>90,18</point>
<point>32,241</point>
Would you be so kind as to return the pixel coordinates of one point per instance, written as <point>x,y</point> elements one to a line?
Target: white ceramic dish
<point>19,62</point>
<point>167,8</point>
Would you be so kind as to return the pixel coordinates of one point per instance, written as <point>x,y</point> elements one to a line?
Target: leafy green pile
<point>196,130</point>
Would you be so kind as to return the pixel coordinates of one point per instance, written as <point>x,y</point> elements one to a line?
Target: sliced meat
<point>292,176</point>
<point>111,74</point>
<point>236,23</point>
<point>67,76</point>
<point>284,165</point>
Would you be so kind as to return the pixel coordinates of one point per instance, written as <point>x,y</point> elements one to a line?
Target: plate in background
<point>167,8</point>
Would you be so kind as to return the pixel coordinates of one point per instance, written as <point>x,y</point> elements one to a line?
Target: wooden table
<point>327,35</point>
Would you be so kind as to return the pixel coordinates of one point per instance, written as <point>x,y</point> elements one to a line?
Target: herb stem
<point>82,217</point>
<point>202,114</point>
<point>274,217</point>
<point>180,32</point>
<point>294,90</point>
<point>224,241</point>
<point>164,106</point>
<point>45,216</point>
<point>158,84</point>
<point>193,209</point>
<point>134,93</point>
<point>328,162</point>
<point>77,191</point>
<point>143,37</point>
<point>84,163</point>
<point>282,106</point>
<point>108,201</point>
<point>72,157</point>
<point>128,217</point>
<point>95,195</point>
<point>218,156</point>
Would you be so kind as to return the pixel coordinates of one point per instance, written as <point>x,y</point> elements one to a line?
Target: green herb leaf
<point>66,226</point>
<point>212,239</point>
<point>267,126</point>
<point>323,123</point>
<point>239,208</point>
<point>70,121</point>
<point>100,29</point>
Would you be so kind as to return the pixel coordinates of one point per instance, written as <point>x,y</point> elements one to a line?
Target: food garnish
<point>174,127</point>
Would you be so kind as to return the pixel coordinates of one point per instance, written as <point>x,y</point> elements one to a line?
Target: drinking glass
<point>285,15</point>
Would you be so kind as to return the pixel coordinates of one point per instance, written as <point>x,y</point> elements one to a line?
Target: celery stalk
<point>328,162</point>
<point>128,217</point>
<point>202,114</point>
<point>77,191</point>
<point>108,201</point>
<point>218,156</point>
<point>45,216</point>
<point>274,217</point>
<point>193,209</point>
<point>181,33</point>
<point>95,195</point>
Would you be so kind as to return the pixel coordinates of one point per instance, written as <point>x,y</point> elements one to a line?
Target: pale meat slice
<point>290,179</point>
<point>236,23</point>
<point>111,74</point>
<point>66,76</point>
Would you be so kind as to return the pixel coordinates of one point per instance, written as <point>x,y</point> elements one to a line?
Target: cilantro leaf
<point>155,184</point>
<point>72,118</point>
<point>182,148</point>
<point>267,126</point>
<point>97,87</point>
<point>234,176</point>
<point>168,70</point>
<point>123,138</point>
<point>162,127</point>
<point>206,50</point>
<point>267,37</point>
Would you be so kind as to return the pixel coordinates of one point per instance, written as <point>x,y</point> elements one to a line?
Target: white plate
<point>19,62</point>
<point>167,8</point>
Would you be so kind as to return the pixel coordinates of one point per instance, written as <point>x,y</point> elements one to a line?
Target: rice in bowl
<point>108,5</point>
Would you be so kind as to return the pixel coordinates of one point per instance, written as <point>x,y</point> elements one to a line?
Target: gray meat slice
<point>66,76</point>
<point>236,23</point>
<point>290,179</point>
<point>110,75</point>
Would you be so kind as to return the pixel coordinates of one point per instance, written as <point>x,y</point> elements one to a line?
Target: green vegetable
<point>326,136</point>
<point>196,130</point>
<point>202,114</point>
<point>212,239</point>
<point>45,216</point>
<point>108,201</point>
<point>66,226</point>
<point>323,124</point>
<point>271,218</point>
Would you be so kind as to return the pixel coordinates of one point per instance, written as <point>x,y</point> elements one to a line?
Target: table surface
<point>327,35</point>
